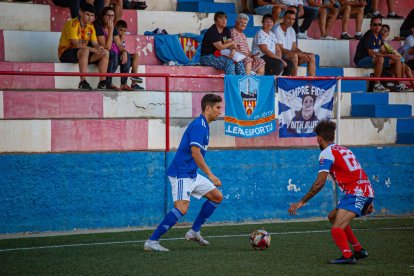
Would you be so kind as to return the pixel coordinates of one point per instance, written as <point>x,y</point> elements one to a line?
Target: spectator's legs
<point>99,5</point>
<point>244,6</point>
<point>378,64</point>
<point>332,15</point>
<point>396,67</point>
<point>221,63</point>
<point>311,66</point>
<point>273,66</point>
<point>125,68</point>
<point>239,68</point>
<point>299,13</point>
<point>346,12</point>
<point>359,18</point>
<point>374,7</point>
<point>289,68</point>
<point>293,57</point>
<point>323,14</point>
<point>83,61</point>
<point>248,66</point>
<point>408,73</point>
<point>368,7</point>
<point>275,12</point>
<point>309,15</point>
<point>103,62</point>
<point>112,65</point>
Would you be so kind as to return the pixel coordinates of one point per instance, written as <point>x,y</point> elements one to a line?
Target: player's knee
<point>183,209</point>
<point>218,198</point>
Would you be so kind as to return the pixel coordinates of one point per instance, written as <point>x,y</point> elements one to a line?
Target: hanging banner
<point>250,105</point>
<point>302,104</point>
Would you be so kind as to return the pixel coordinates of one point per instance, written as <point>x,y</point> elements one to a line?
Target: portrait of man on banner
<point>302,104</point>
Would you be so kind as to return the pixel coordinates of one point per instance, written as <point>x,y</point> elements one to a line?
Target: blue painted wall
<point>51,192</point>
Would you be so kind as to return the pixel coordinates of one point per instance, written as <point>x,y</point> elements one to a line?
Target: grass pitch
<point>297,248</point>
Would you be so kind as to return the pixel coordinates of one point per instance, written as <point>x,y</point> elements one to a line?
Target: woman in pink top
<point>252,63</point>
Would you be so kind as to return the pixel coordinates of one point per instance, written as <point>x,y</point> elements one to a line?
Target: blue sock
<point>206,211</point>
<point>169,221</point>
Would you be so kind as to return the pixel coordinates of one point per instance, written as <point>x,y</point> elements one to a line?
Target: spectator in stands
<point>122,27</point>
<point>405,29</point>
<point>371,53</point>
<point>303,11</point>
<point>273,7</point>
<point>108,37</point>
<point>350,8</point>
<point>77,33</point>
<point>118,6</point>
<point>327,11</point>
<point>287,42</point>
<point>75,5</point>
<point>218,38</point>
<point>266,46</point>
<point>252,63</point>
<point>407,49</point>
<point>390,5</point>
<point>405,69</point>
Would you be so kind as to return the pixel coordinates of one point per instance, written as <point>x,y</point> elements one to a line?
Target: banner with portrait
<point>302,104</point>
<point>250,105</point>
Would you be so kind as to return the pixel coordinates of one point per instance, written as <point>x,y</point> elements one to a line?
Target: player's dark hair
<point>326,130</point>
<point>219,14</point>
<point>87,8</point>
<point>121,24</point>
<point>209,99</point>
<point>266,16</point>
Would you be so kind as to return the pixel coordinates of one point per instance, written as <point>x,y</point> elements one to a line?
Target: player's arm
<point>316,187</point>
<point>201,163</point>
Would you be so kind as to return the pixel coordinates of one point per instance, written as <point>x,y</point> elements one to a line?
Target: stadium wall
<point>60,192</point>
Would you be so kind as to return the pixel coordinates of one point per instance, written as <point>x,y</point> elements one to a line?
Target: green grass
<point>390,252</point>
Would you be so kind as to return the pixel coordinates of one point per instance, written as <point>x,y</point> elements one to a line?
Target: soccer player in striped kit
<point>344,168</point>
<point>186,182</point>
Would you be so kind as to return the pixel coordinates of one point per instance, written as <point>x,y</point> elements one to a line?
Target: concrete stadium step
<point>207,6</point>
<point>405,131</point>
<point>381,110</point>
<point>120,134</point>
<point>369,98</point>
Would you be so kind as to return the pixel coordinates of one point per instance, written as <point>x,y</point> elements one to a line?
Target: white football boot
<point>154,246</point>
<point>195,236</point>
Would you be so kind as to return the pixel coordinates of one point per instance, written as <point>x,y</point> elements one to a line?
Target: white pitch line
<point>174,239</point>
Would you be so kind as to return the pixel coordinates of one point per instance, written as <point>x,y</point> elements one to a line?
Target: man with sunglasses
<point>371,53</point>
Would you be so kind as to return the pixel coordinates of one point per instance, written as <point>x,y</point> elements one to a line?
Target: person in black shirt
<point>218,38</point>
<point>371,53</point>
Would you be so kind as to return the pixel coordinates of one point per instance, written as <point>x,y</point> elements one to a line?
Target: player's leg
<point>204,188</point>
<point>181,198</point>
<point>342,218</point>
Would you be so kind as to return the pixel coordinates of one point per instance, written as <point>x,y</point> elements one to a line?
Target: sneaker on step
<point>346,36</point>
<point>150,245</point>
<point>136,79</point>
<point>195,236</point>
<point>380,88</point>
<point>394,16</point>
<point>84,85</point>
<point>358,36</point>
<point>402,88</point>
<point>102,85</point>
<point>137,87</point>
<point>343,260</point>
<point>303,36</point>
<point>362,254</point>
<point>328,37</point>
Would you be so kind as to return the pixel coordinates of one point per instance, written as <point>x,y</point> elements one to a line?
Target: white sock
<point>375,13</point>
<point>391,13</point>
<point>358,33</point>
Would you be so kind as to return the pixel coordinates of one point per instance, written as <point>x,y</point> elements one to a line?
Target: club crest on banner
<point>249,88</point>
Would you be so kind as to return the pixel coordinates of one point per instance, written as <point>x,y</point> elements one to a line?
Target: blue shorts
<point>355,204</point>
<point>267,9</point>
<point>367,62</point>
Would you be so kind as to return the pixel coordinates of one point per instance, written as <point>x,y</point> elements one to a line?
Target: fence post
<point>338,132</point>
<point>167,140</point>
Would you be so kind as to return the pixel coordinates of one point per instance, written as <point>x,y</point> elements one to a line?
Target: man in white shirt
<point>286,37</point>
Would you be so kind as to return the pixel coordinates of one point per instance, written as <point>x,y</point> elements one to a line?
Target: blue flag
<point>250,105</point>
<point>302,104</point>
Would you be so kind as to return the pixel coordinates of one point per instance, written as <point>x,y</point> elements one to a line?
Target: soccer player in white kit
<point>344,168</point>
<point>186,182</point>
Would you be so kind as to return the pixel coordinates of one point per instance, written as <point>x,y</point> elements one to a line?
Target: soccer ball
<point>260,240</point>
